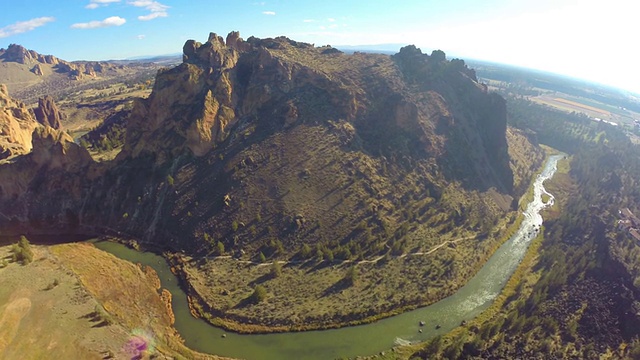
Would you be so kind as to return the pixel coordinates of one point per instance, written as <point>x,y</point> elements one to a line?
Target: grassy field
<point>77,302</point>
<point>571,105</point>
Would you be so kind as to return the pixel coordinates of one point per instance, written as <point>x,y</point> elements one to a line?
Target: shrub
<point>259,294</point>
<point>276,269</point>
<point>305,253</point>
<point>22,251</point>
<point>351,277</point>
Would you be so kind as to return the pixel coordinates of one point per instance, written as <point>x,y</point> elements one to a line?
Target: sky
<point>592,40</point>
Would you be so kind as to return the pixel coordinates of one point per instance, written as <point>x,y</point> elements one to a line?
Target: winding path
<point>374,260</point>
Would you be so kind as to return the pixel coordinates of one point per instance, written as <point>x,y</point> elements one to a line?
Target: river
<point>369,339</point>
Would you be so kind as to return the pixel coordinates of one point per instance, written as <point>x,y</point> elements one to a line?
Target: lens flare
<point>140,345</point>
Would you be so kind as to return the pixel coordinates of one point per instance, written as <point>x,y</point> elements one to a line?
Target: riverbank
<point>520,284</point>
<point>77,302</point>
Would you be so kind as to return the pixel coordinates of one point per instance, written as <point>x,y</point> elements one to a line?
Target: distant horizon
<point>387,48</point>
<point>584,40</point>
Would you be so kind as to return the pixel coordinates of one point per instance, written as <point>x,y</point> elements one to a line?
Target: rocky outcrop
<point>16,125</point>
<point>229,81</point>
<point>19,54</point>
<point>37,69</point>
<point>476,144</point>
<point>47,113</point>
<point>76,70</point>
<point>54,148</point>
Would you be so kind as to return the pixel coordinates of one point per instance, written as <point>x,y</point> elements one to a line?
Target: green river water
<point>369,339</point>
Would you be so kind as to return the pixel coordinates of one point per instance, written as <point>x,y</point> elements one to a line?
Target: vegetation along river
<point>367,339</point>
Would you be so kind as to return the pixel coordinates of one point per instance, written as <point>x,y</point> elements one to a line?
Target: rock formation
<point>76,70</point>
<point>54,149</point>
<point>16,126</point>
<point>406,123</point>
<point>47,113</point>
<point>37,69</point>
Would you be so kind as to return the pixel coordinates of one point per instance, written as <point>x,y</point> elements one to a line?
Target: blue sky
<point>587,39</point>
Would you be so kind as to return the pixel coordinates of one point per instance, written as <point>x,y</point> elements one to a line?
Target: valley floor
<point>313,295</point>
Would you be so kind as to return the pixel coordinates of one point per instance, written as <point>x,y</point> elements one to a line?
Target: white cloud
<point>308,20</point>
<point>156,9</point>
<point>269,12</point>
<point>94,4</point>
<point>110,21</point>
<point>152,16</point>
<point>24,26</point>
<point>331,20</point>
<point>141,37</point>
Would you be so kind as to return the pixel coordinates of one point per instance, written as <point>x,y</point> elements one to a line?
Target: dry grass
<point>41,321</point>
<point>77,302</point>
<point>580,105</point>
<point>128,293</point>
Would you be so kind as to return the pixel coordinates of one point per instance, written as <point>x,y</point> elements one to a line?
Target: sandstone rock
<point>56,149</point>
<point>17,53</point>
<point>189,50</point>
<point>37,69</point>
<point>234,41</point>
<point>16,126</point>
<point>4,92</point>
<point>48,59</point>
<point>47,113</point>
<point>89,70</point>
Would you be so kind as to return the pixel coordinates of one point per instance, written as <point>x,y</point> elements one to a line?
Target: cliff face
<point>222,84</point>
<point>16,125</point>
<point>435,106</point>
<point>474,122</point>
<point>294,133</point>
<point>17,122</point>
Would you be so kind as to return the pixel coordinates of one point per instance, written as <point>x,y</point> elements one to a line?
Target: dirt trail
<point>374,260</point>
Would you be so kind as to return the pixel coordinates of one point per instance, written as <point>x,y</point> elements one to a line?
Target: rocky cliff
<point>299,135</point>
<point>16,125</point>
<point>17,122</point>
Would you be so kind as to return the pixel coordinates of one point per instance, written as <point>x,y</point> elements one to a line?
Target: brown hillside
<point>271,149</point>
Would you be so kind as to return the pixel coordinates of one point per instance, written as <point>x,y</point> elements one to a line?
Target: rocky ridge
<point>75,70</point>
